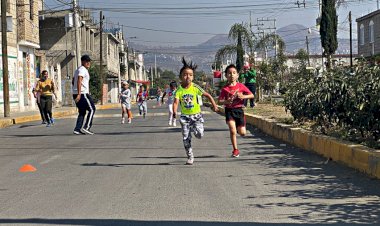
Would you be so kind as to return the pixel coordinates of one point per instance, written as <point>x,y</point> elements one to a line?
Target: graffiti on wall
<point>12,80</point>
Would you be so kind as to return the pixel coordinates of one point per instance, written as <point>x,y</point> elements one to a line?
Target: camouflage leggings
<point>191,123</point>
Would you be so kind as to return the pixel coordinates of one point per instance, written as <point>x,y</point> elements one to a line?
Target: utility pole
<point>307,48</point>
<point>101,56</point>
<point>275,39</point>
<point>151,75</point>
<point>271,30</point>
<point>155,65</point>
<point>4,43</point>
<point>77,35</point>
<point>350,20</point>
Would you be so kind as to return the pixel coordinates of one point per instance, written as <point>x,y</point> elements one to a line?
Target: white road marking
<point>50,159</point>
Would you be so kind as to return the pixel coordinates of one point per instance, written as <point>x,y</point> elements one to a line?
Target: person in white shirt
<point>125,100</point>
<point>82,98</point>
<point>171,94</point>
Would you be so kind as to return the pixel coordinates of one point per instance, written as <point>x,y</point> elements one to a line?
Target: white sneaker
<point>170,123</point>
<point>174,123</point>
<point>88,131</point>
<point>129,121</point>
<point>190,161</point>
<point>122,120</point>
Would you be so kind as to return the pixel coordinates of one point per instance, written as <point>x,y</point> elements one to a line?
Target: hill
<point>294,36</point>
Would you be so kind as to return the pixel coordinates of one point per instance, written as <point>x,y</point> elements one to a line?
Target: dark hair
<point>43,72</point>
<point>228,67</point>
<point>187,65</point>
<point>173,84</point>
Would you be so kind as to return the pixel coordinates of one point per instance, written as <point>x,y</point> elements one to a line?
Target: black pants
<point>41,111</point>
<point>46,106</point>
<point>252,88</point>
<point>85,104</point>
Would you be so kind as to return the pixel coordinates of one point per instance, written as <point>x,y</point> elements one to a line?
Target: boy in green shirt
<point>189,97</point>
<point>249,75</point>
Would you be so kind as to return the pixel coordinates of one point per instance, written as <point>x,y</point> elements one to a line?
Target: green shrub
<point>338,98</point>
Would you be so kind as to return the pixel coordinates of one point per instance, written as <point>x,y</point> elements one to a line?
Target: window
<point>8,6</point>
<point>361,34</point>
<point>371,33</point>
<point>31,9</point>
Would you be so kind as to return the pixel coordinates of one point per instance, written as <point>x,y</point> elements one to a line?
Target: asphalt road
<point>134,174</point>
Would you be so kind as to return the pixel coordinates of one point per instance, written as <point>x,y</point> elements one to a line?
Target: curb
<point>57,112</point>
<point>355,156</point>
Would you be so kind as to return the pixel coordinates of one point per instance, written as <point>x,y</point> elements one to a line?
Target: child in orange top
<point>232,96</point>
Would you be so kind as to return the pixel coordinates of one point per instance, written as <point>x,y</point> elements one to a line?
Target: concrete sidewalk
<point>58,112</point>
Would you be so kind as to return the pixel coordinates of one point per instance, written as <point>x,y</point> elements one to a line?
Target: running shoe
<point>87,131</point>
<point>190,161</point>
<point>235,153</point>
<point>78,132</point>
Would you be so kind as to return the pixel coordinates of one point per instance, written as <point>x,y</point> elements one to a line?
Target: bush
<point>95,83</point>
<point>338,98</point>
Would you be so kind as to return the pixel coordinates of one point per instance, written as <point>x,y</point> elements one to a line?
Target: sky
<point>187,23</point>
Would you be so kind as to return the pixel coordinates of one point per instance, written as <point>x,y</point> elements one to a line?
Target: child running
<point>158,96</point>
<point>171,93</point>
<point>189,96</point>
<point>142,97</point>
<point>125,99</point>
<point>232,96</point>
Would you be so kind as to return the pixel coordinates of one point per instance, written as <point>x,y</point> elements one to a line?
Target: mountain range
<point>294,36</point>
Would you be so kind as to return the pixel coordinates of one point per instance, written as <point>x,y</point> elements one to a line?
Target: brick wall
<point>12,36</point>
<point>27,16</point>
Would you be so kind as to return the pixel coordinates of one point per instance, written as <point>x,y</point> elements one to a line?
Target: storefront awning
<point>141,81</point>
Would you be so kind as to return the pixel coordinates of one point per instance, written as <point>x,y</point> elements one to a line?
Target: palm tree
<point>271,40</point>
<point>243,38</point>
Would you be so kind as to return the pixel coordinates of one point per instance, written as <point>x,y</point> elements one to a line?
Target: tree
<point>271,39</point>
<point>243,37</point>
<point>329,29</point>
<point>302,58</point>
<point>95,82</point>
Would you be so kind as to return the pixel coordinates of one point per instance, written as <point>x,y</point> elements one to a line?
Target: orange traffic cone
<point>27,168</point>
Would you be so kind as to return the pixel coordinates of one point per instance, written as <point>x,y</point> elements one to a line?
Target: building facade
<point>369,34</point>
<point>111,63</point>
<point>57,35</point>
<point>24,65</point>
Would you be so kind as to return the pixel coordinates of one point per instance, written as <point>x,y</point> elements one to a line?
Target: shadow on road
<point>125,164</point>
<point>116,222</point>
<point>352,197</point>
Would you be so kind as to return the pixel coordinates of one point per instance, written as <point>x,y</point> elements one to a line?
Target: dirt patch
<point>271,111</point>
